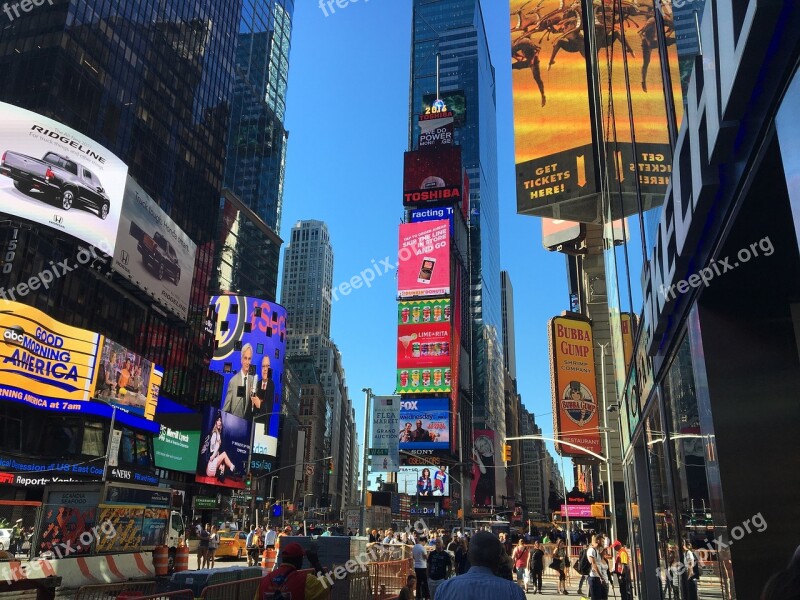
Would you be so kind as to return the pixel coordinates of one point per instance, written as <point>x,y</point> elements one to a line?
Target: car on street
<point>5,539</point>
<point>58,178</point>
<point>232,544</point>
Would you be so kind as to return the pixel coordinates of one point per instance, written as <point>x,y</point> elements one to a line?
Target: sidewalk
<point>550,593</point>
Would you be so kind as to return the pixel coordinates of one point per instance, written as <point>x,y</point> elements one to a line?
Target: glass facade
<point>455,30</point>
<point>152,83</point>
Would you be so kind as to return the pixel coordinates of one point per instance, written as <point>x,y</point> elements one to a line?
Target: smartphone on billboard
<point>426,270</point>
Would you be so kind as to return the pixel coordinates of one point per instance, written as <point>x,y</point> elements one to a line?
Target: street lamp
<point>362,513</point>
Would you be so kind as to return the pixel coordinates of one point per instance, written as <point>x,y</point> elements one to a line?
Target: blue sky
<point>347,116</point>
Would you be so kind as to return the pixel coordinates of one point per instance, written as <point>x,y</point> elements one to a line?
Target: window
<point>93,439</point>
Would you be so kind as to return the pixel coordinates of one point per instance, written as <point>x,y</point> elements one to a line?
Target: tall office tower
<point>533,467</point>
<point>454,30</point>
<point>151,83</point>
<point>307,279</point>
<point>256,158</point>
<point>509,338</point>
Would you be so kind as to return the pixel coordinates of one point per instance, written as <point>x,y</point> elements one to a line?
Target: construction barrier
<point>103,592</point>
<point>181,559</point>
<point>161,560</point>
<point>176,595</point>
<point>88,570</point>
<point>235,590</point>
<point>268,559</point>
<point>388,578</point>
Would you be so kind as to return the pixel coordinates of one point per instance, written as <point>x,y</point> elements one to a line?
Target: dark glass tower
<point>455,30</point>
<point>256,160</point>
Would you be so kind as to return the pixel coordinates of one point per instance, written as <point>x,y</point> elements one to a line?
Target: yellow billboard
<point>44,362</point>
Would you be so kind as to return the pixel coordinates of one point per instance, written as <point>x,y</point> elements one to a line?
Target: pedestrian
<point>785,584</point>
<point>440,567</point>
<point>486,556</point>
<point>560,563</point>
<point>584,566</point>
<point>536,566</point>
<point>270,538</point>
<point>16,537</point>
<point>421,568</point>
<point>213,544</point>
<point>251,545</point>
<point>623,570</point>
<point>407,593</point>
<point>520,558</point>
<point>288,581</point>
<point>598,575</point>
<point>462,560</point>
<point>692,570</point>
<point>202,548</point>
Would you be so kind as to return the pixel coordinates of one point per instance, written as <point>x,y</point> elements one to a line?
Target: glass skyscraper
<point>454,29</point>
<point>256,159</point>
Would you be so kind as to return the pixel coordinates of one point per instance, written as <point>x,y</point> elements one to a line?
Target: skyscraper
<point>256,156</point>
<point>509,347</point>
<point>454,29</point>
<point>307,279</point>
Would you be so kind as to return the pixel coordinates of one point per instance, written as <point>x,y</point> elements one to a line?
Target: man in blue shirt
<point>480,582</point>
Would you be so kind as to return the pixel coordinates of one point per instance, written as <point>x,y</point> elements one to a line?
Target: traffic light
<point>249,479</point>
<point>507,453</point>
<point>330,467</point>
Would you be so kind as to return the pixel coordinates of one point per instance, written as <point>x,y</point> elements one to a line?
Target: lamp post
<point>610,494</point>
<point>362,513</point>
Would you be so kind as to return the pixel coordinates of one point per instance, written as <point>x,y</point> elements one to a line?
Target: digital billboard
<point>435,131</point>
<point>250,341</point>
<point>423,345</point>
<point>177,450</point>
<point>433,213</point>
<point>384,447</point>
<point>127,380</point>
<point>574,391</point>
<point>55,176</point>
<point>484,459</point>
<point>424,381</point>
<point>224,449</point>
<point>425,481</point>
<point>424,252</point>
<point>453,102</point>
<point>153,252</point>
<point>424,424</point>
<point>557,233</point>
<point>432,175</point>
<point>44,362</point>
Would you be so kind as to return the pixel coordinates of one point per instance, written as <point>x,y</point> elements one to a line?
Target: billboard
<point>55,176</point>
<point>454,102</point>
<point>250,341</point>
<point>424,253</point>
<point>484,457</point>
<point>44,362</point>
<point>424,345</point>
<point>557,233</point>
<point>424,381</point>
<point>425,481</point>
<point>433,213</point>
<point>68,523</point>
<point>153,252</point>
<point>385,448</point>
<point>224,450</point>
<point>432,175</point>
<point>424,424</point>
<point>177,450</point>
<point>627,324</point>
<point>264,444</point>
<point>127,380</point>
<point>435,130</point>
<point>574,391</point>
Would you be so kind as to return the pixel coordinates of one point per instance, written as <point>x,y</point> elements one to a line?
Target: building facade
<point>454,30</point>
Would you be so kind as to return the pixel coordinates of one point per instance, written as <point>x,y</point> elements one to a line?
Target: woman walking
<point>560,564</point>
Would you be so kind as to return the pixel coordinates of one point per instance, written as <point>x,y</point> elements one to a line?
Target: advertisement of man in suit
<point>264,394</point>
<point>241,388</point>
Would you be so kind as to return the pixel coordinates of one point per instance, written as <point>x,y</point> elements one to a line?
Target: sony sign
<point>735,35</point>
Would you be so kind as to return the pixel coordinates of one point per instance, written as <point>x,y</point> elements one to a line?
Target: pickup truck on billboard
<point>158,255</point>
<point>58,178</point>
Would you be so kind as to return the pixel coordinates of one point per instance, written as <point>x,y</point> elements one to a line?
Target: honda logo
<point>58,219</point>
<point>125,257</point>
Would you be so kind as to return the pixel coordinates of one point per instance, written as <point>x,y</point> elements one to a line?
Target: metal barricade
<point>176,595</point>
<point>244,589</point>
<point>388,578</point>
<point>112,590</point>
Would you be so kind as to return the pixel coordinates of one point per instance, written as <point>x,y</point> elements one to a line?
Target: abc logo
<point>14,334</point>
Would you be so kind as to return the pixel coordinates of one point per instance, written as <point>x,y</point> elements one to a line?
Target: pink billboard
<point>424,253</point>
<point>581,511</point>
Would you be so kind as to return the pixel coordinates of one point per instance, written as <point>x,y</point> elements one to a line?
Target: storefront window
<point>636,530</point>
<point>690,447</point>
<point>663,509</point>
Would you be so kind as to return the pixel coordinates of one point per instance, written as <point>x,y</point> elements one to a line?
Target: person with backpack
<point>598,574</point>
<point>289,582</point>
<point>520,558</point>
<point>584,566</point>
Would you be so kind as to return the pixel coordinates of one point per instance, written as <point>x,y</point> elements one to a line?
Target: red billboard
<point>432,175</point>
<point>424,254</point>
<point>425,345</point>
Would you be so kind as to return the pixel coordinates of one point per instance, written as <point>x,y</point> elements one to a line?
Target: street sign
<point>379,451</point>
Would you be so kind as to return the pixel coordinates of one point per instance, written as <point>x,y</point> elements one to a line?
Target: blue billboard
<point>425,424</point>
<point>435,213</point>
